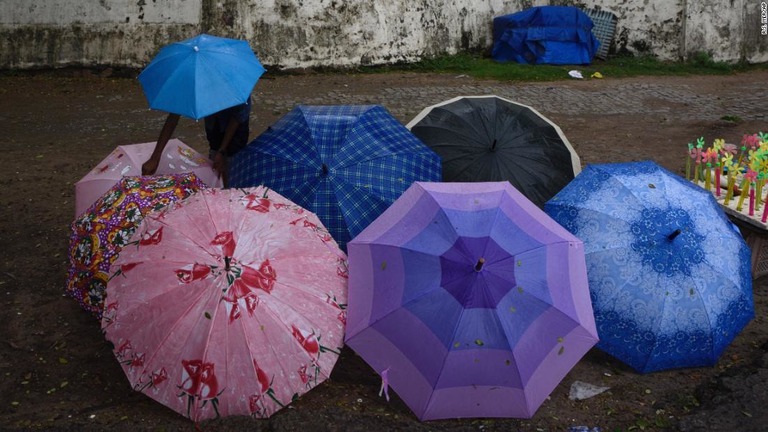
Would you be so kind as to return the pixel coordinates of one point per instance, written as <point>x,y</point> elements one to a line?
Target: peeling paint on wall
<point>346,33</point>
<point>339,33</point>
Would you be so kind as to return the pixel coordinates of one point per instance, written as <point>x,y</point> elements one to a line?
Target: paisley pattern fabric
<point>98,235</point>
<point>669,275</point>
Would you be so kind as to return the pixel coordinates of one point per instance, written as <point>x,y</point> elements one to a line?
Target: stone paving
<point>679,100</point>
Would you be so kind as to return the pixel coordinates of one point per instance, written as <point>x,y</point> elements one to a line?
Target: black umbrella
<point>488,138</point>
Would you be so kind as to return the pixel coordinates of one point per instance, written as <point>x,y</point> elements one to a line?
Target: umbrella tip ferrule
<point>196,48</point>
<point>674,234</point>
<point>479,265</point>
<point>325,169</point>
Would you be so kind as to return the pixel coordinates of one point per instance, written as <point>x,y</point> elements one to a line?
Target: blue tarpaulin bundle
<point>545,35</point>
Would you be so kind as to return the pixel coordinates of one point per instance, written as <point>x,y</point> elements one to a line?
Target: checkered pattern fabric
<point>345,163</point>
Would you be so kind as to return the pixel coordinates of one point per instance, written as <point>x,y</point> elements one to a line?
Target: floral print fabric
<point>231,302</point>
<point>669,275</point>
<point>98,235</point>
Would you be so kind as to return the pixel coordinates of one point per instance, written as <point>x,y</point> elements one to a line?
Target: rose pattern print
<point>264,278</point>
<point>238,278</point>
<point>259,204</point>
<point>197,272</point>
<point>307,340</point>
<point>227,242</point>
<point>257,403</point>
<point>342,307</point>
<point>243,282</point>
<point>311,344</point>
<point>156,378</point>
<point>152,237</point>
<point>199,384</point>
<point>321,232</point>
<point>242,279</point>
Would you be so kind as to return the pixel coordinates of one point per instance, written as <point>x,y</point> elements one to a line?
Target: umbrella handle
<point>384,384</point>
<point>479,265</point>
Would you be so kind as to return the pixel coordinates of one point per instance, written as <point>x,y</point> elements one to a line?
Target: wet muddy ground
<point>56,371</point>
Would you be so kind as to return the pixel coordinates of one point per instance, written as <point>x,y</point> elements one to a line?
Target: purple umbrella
<point>468,300</point>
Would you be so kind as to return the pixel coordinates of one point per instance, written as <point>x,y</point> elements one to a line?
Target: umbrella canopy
<point>98,235</point>
<point>201,76</point>
<point>345,163</point>
<point>489,138</point>
<point>469,300</point>
<point>669,274</point>
<point>126,160</point>
<point>228,303</point>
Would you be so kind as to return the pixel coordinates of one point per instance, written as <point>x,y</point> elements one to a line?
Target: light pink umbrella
<point>231,302</point>
<point>126,160</point>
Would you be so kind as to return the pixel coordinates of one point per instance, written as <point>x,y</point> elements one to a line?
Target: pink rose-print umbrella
<point>98,235</point>
<point>126,160</point>
<point>232,302</point>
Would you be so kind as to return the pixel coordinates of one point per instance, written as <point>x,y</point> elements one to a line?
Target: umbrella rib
<point>466,166</point>
<point>445,359</point>
<point>354,162</point>
<point>168,82</point>
<point>272,346</point>
<point>657,326</point>
<point>174,326</point>
<point>700,300</point>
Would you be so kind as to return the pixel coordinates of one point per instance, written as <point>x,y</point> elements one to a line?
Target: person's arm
<point>150,166</point>
<point>220,160</point>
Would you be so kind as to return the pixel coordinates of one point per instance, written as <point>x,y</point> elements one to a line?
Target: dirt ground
<point>57,372</point>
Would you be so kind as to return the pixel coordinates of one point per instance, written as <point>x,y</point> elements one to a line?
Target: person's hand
<point>220,163</point>
<point>149,167</point>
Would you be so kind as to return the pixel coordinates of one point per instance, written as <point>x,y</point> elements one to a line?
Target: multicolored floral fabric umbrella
<point>669,274</point>
<point>98,235</point>
<point>231,302</point>
<point>468,300</point>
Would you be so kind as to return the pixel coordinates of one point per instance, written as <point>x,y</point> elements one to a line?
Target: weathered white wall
<point>65,12</point>
<point>733,33</point>
<point>310,33</point>
<point>726,30</point>
<point>337,32</point>
<point>36,33</point>
<point>645,27</point>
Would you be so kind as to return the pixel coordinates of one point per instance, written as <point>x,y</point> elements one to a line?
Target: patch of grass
<point>479,66</point>
<point>731,118</point>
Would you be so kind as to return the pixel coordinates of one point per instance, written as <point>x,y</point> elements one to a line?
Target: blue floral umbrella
<point>669,274</point>
<point>345,163</point>
<point>201,76</point>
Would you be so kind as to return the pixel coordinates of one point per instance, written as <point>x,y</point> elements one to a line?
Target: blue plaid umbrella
<point>669,274</point>
<point>345,163</point>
